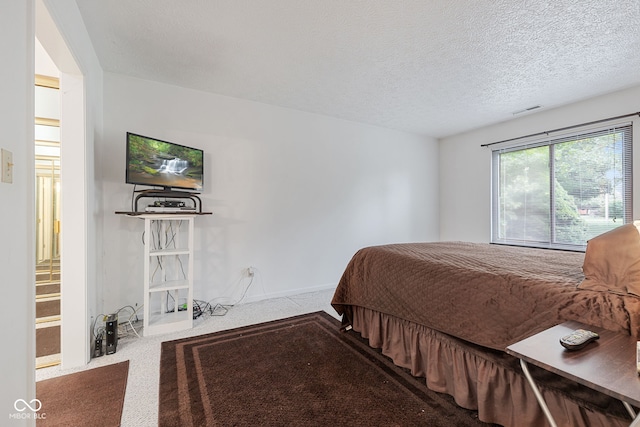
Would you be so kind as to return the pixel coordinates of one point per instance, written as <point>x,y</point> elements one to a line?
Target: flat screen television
<point>163,164</point>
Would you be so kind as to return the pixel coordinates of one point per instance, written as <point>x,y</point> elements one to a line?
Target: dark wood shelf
<point>163,213</point>
<point>168,194</point>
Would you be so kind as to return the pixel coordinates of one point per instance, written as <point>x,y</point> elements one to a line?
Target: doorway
<point>77,129</point>
<point>48,226</point>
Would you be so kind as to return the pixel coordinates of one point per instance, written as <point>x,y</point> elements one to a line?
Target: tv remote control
<point>578,339</point>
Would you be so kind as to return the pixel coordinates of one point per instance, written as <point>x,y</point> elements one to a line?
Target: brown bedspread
<point>486,294</point>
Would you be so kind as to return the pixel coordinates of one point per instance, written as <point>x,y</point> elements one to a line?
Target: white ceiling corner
<point>431,67</point>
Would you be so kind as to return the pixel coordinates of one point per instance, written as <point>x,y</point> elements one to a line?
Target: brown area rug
<point>300,371</point>
<point>88,398</point>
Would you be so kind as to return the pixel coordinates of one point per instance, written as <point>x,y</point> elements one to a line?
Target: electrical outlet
<point>7,165</point>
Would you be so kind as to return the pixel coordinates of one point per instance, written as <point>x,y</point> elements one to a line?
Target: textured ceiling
<point>433,67</point>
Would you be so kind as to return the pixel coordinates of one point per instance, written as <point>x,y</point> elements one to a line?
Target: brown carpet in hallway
<point>94,397</point>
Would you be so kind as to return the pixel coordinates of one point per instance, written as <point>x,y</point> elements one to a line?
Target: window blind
<point>558,192</point>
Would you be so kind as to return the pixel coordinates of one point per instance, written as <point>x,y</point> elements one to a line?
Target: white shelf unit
<point>168,273</point>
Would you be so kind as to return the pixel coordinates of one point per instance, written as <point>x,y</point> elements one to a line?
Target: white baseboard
<point>288,293</point>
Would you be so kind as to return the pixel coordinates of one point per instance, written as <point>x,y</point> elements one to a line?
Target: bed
<point>448,310</point>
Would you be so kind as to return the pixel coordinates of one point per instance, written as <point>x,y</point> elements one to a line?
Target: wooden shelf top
<point>162,213</point>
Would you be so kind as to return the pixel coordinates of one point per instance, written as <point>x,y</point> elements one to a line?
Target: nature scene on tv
<point>158,163</point>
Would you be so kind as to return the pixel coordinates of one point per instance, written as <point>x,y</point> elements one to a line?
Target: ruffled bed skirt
<point>485,380</point>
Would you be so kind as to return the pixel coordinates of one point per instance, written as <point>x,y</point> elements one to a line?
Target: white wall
<point>44,64</point>
<point>17,260</point>
<point>465,167</point>
<point>293,194</point>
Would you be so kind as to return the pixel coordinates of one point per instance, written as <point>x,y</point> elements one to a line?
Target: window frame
<point>552,141</point>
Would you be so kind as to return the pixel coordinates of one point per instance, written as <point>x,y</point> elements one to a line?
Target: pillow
<point>612,261</point>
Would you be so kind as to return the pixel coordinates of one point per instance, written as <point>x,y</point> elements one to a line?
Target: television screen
<point>163,164</point>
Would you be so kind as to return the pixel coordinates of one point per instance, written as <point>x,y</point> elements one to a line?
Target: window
<point>561,192</point>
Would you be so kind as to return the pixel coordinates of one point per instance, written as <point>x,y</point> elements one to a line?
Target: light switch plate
<point>6,159</point>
